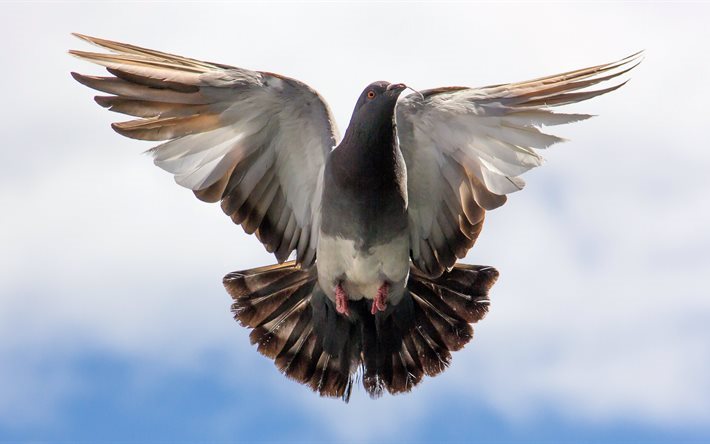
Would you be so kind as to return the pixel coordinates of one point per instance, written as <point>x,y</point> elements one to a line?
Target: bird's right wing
<point>253,140</point>
<point>465,149</point>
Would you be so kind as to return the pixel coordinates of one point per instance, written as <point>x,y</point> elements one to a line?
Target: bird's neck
<point>370,148</point>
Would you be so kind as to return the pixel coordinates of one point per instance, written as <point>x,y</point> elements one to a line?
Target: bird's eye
<point>371,94</point>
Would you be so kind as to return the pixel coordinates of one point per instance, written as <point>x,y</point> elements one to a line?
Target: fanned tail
<point>295,324</point>
<point>419,336</point>
<point>276,302</point>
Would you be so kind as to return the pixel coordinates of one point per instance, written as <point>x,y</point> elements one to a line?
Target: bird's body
<point>376,221</point>
<point>363,240</point>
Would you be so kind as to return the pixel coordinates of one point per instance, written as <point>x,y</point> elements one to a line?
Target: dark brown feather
<point>249,212</point>
<point>123,88</point>
<point>214,192</point>
<point>146,108</point>
<point>565,99</point>
<point>267,233</point>
<point>566,76</point>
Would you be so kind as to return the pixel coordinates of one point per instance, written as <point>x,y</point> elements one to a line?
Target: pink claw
<point>380,301</point>
<point>341,301</point>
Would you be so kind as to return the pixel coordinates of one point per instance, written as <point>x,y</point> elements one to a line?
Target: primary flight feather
<point>377,220</point>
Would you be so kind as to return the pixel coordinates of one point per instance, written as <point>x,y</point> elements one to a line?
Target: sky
<point>114,325</point>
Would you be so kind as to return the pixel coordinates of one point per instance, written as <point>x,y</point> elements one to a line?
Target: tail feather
<point>434,355</point>
<point>262,293</point>
<point>297,326</point>
<point>272,336</point>
<point>409,346</point>
<point>464,289</point>
<point>300,362</point>
<point>276,302</point>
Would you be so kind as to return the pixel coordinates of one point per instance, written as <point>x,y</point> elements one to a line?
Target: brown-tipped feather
<point>300,364</point>
<point>473,212</point>
<point>146,108</point>
<point>123,88</point>
<point>262,191</point>
<point>258,311</point>
<point>565,76</point>
<point>566,99</point>
<point>451,326</point>
<point>282,226</point>
<point>294,344</point>
<point>538,93</point>
<point>441,246</point>
<point>141,62</point>
<point>153,82</point>
<point>429,263</point>
<point>257,282</point>
<point>270,300</point>
<point>483,197</point>
<point>235,194</point>
<point>433,355</point>
<point>272,334</point>
<point>214,192</point>
<point>126,48</point>
<point>167,128</point>
<point>258,211</point>
<point>294,241</point>
<point>268,233</point>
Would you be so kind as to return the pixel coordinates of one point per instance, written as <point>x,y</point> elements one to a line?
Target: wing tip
<point>96,41</point>
<point>93,57</point>
<point>81,36</point>
<point>81,78</point>
<point>636,55</point>
<point>86,38</point>
<point>75,53</point>
<point>121,128</point>
<point>104,101</point>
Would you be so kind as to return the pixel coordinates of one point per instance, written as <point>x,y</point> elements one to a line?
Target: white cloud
<point>601,311</point>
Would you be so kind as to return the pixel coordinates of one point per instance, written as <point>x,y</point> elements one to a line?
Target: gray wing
<point>465,149</point>
<point>255,141</point>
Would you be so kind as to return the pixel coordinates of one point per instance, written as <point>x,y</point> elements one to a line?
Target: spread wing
<point>253,140</point>
<point>465,149</point>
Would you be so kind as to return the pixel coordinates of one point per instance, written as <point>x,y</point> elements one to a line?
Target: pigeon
<point>373,223</point>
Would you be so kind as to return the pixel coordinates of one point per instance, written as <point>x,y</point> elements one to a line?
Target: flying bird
<point>377,219</point>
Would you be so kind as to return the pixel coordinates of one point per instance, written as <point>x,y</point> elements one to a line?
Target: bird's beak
<point>396,87</point>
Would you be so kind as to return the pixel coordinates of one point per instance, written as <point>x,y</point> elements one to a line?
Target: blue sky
<point>193,406</point>
<point>114,325</point>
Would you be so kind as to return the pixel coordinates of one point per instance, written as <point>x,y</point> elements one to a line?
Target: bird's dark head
<point>375,106</point>
<point>380,94</point>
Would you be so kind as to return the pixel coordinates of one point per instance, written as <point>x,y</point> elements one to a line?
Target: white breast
<point>362,272</point>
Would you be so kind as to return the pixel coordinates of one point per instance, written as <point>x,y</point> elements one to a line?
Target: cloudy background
<point>113,321</point>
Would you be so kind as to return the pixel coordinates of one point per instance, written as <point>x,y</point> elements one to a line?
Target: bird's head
<point>374,110</point>
<point>379,95</point>
<point>377,102</point>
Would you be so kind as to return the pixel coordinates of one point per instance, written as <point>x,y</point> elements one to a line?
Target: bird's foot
<point>341,301</point>
<point>380,301</point>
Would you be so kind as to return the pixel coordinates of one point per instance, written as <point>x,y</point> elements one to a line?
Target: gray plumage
<point>376,221</point>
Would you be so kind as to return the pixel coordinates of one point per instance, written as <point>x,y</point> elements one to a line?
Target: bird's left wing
<point>253,140</point>
<point>465,149</point>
